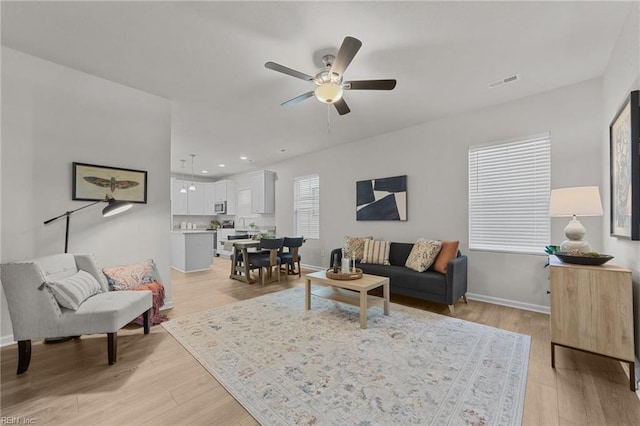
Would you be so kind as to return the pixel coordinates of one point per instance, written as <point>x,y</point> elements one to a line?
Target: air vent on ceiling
<point>503,81</point>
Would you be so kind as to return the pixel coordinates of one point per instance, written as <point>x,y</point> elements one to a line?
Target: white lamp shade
<point>576,201</point>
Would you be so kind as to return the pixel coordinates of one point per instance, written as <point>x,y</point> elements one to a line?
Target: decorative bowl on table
<point>593,259</point>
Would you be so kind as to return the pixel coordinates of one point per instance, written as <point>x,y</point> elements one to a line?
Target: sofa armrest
<point>337,251</point>
<point>456,279</point>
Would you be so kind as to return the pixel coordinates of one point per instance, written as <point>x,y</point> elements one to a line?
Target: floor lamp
<point>114,207</point>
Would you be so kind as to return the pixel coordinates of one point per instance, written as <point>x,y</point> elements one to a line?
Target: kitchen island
<point>192,250</point>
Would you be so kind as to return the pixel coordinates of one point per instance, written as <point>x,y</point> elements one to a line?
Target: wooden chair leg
<point>299,270</point>
<point>278,272</point>
<point>452,310</point>
<point>464,297</point>
<point>24,355</point>
<point>145,320</point>
<point>112,347</point>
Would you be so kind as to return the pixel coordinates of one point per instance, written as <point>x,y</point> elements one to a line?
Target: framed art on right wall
<point>624,146</point>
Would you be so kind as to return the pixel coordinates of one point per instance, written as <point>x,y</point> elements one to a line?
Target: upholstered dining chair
<point>67,295</point>
<point>269,260</point>
<point>291,257</point>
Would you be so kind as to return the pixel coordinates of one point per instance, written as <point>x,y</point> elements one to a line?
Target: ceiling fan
<point>330,79</point>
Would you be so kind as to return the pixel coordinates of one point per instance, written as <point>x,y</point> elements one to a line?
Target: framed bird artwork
<point>92,183</point>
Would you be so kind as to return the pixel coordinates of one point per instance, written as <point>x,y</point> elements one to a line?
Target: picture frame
<point>624,150</point>
<point>93,182</point>
<point>382,199</point>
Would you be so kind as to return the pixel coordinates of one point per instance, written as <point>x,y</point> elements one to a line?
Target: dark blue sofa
<point>428,285</point>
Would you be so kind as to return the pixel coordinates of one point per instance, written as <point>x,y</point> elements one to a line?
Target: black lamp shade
<point>115,207</point>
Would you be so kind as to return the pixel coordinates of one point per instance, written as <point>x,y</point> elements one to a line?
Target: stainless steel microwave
<point>220,207</point>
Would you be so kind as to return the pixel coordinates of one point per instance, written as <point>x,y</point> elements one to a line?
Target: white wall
<point>434,157</point>
<point>52,116</point>
<point>621,76</point>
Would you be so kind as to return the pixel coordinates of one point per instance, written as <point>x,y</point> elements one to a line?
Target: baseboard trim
<point>311,267</point>
<point>510,303</point>
<point>7,340</point>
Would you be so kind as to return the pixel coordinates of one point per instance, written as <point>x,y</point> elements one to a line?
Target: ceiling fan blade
<point>348,50</point>
<point>370,85</point>
<point>342,107</point>
<point>297,99</point>
<point>286,70</point>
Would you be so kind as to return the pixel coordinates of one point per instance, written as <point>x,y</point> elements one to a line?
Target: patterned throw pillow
<point>130,276</point>
<point>448,252</point>
<point>355,246</point>
<point>376,252</point>
<point>71,292</point>
<point>423,254</point>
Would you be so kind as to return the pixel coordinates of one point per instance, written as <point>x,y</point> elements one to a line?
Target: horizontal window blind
<point>509,188</point>
<point>306,206</point>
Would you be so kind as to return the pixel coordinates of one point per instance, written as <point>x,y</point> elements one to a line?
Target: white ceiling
<point>208,58</point>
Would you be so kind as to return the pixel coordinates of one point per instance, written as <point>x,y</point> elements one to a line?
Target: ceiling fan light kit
<point>331,88</point>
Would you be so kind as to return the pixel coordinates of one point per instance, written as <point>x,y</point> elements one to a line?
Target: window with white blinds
<point>509,187</point>
<point>306,206</point>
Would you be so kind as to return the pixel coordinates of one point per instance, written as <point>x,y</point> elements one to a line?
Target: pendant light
<point>183,190</point>
<point>192,187</point>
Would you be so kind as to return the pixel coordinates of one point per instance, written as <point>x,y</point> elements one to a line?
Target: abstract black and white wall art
<point>382,199</point>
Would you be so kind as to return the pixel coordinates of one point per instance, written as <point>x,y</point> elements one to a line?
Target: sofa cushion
<point>354,246</point>
<point>376,252</point>
<point>448,252</point>
<point>423,254</point>
<point>399,252</point>
<point>72,291</point>
<point>401,276</point>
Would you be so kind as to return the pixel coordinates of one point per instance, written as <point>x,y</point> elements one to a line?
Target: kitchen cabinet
<point>193,202</point>
<point>208,199</point>
<point>592,311</point>
<point>225,190</point>
<point>178,200</point>
<point>196,199</point>
<point>263,191</point>
<point>191,250</point>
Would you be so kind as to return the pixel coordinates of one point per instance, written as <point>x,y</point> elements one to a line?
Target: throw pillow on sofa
<point>354,246</point>
<point>72,291</point>
<point>448,252</point>
<point>423,254</point>
<point>376,252</point>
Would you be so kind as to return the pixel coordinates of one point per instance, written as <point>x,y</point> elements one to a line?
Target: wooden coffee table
<point>336,291</point>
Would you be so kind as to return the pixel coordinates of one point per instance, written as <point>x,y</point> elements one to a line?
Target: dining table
<point>240,259</point>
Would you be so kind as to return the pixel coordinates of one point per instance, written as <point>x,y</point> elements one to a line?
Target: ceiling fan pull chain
<point>329,119</point>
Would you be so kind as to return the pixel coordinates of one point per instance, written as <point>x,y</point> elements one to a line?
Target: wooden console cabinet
<point>592,311</point>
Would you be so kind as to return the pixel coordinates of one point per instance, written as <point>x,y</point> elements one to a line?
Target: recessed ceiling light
<point>222,165</point>
<point>205,171</point>
<point>243,158</point>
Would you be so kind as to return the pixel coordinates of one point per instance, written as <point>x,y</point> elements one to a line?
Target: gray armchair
<point>36,314</point>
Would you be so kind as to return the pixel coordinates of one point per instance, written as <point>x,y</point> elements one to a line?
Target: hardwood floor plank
<point>156,381</point>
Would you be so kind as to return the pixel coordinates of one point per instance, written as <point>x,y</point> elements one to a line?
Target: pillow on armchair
<point>141,276</point>
<point>130,276</point>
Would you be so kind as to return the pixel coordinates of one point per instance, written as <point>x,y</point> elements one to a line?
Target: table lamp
<point>573,202</point>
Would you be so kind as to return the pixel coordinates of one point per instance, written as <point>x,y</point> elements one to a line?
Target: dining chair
<point>291,257</point>
<point>269,260</point>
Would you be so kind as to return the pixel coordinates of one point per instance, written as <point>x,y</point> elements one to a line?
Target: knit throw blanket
<point>155,317</point>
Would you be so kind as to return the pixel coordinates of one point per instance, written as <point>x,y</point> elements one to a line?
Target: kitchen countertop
<point>193,231</point>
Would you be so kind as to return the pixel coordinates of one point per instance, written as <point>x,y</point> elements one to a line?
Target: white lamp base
<point>575,232</point>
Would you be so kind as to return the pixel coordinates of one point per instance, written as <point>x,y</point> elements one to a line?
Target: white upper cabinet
<point>208,199</point>
<point>225,190</point>
<point>191,203</point>
<point>178,200</point>
<point>263,191</point>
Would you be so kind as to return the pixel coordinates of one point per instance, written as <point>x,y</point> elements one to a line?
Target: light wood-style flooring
<point>156,381</point>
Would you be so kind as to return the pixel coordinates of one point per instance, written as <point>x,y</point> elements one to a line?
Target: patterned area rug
<point>289,366</point>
